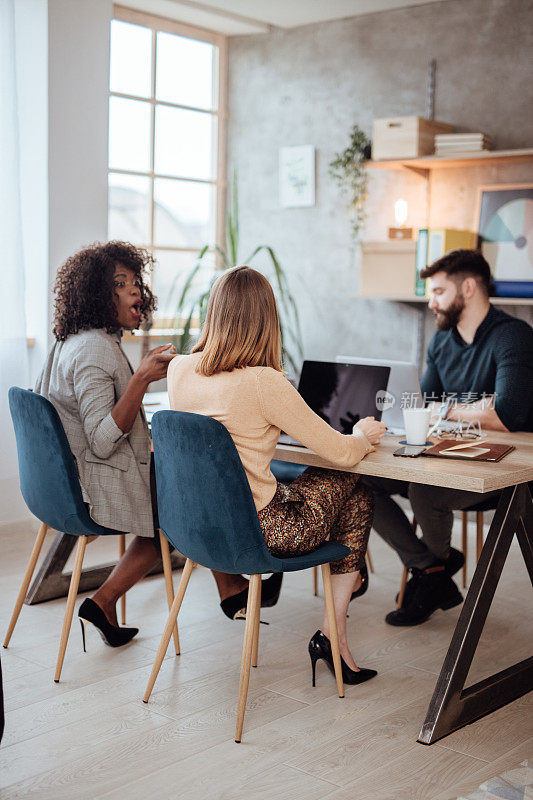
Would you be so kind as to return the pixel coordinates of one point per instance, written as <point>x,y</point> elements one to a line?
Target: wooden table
<point>452,705</point>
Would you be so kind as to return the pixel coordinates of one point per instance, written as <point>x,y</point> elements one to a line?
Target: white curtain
<point>13,345</point>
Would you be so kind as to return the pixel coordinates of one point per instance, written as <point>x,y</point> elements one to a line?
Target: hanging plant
<point>349,171</point>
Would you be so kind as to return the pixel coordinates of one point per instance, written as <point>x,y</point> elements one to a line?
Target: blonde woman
<point>234,375</point>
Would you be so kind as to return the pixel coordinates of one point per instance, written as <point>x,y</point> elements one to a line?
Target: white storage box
<point>387,268</point>
<point>405,137</point>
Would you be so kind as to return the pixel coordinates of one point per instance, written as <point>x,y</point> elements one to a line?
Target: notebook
<point>474,451</point>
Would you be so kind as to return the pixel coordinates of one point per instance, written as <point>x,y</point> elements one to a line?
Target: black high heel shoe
<point>234,607</point>
<point>364,583</point>
<point>112,635</point>
<point>320,647</point>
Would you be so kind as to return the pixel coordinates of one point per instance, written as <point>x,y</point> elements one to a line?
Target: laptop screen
<point>342,394</point>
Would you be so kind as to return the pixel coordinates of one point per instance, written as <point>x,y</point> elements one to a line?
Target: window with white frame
<point>166,107</point>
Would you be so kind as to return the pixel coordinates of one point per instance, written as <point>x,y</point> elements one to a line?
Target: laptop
<point>403,383</point>
<point>341,394</point>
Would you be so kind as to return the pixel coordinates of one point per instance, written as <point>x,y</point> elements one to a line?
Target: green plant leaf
<point>232,224</point>
<point>192,304</point>
<point>348,170</point>
<point>224,256</point>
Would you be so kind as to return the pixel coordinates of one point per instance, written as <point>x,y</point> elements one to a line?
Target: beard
<point>448,318</point>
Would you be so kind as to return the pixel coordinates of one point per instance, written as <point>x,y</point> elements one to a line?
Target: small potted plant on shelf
<point>349,171</point>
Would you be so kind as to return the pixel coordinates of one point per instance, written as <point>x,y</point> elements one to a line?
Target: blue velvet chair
<point>212,520</point>
<point>285,471</point>
<point>51,489</point>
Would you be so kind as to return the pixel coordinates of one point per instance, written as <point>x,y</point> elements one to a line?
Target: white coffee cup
<point>416,421</point>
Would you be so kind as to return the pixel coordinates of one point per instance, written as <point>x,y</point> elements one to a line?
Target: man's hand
<point>154,365</point>
<point>435,411</point>
<point>481,411</point>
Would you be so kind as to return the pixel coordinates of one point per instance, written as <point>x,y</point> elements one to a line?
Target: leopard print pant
<point>320,504</point>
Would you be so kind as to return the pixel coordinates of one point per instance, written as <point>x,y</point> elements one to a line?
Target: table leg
<point>452,706</point>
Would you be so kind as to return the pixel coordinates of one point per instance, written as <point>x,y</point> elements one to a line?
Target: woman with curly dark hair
<point>86,289</point>
<point>101,291</point>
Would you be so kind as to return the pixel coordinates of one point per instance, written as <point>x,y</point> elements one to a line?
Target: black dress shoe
<point>453,564</point>
<point>234,607</point>
<point>430,590</point>
<point>364,583</point>
<point>320,648</point>
<point>112,635</point>
<point>409,586</point>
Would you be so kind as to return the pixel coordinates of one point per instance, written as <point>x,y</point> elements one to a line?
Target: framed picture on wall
<point>297,176</point>
<point>505,228</point>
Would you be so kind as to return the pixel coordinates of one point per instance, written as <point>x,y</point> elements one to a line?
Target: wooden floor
<point>91,736</point>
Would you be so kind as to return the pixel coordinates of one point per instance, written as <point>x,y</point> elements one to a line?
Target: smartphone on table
<point>410,450</point>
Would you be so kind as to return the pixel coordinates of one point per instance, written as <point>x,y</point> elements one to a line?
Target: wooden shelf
<point>448,162</point>
<point>499,301</point>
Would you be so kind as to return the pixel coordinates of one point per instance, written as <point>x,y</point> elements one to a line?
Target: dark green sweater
<point>498,362</point>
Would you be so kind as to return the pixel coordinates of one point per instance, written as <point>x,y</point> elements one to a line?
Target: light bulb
<point>400,212</point>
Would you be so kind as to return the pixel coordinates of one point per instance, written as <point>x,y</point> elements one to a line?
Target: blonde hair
<point>241,328</point>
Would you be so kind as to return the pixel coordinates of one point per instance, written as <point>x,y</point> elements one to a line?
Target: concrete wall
<point>310,85</point>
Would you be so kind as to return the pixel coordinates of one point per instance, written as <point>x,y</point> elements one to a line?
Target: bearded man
<point>479,367</point>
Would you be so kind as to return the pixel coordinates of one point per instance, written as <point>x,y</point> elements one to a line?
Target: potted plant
<point>194,290</point>
<point>349,171</point>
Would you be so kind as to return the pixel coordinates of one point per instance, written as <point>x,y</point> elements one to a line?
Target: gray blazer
<point>83,377</point>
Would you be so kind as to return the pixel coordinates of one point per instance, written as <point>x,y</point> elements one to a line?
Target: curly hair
<point>84,287</point>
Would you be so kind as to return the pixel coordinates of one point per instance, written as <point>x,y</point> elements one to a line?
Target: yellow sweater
<point>255,404</point>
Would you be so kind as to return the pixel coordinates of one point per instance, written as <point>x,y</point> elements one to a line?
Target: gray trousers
<point>433,507</point>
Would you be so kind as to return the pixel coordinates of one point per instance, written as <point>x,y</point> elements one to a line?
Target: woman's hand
<point>154,365</point>
<point>372,429</point>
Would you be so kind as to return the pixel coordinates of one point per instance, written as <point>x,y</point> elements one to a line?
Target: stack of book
<point>447,144</point>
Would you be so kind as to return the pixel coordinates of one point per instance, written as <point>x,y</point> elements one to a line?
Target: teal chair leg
<point>71,600</point>
<point>167,569</point>
<point>169,627</point>
<point>121,551</point>
<point>252,614</point>
<point>26,581</point>
<point>332,620</point>
<point>257,618</point>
